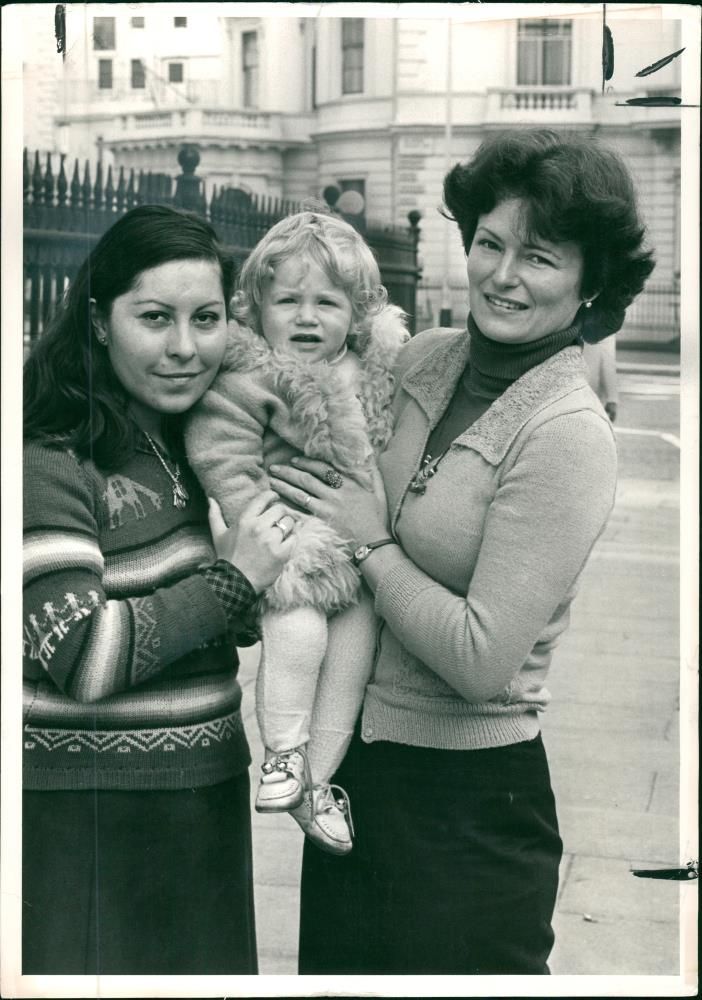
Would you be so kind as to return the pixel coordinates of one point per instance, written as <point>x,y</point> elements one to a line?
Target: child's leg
<point>294,642</point>
<point>293,647</point>
<point>342,682</point>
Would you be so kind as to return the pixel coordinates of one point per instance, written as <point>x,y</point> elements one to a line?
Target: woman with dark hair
<point>136,816</point>
<point>500,477</point>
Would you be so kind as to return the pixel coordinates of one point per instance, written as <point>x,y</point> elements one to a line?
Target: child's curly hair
<point>335,247</point>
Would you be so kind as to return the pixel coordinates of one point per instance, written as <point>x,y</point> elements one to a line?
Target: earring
<point>588,303</point>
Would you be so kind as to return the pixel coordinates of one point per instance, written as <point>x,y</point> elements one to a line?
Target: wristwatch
<point>363,551</point>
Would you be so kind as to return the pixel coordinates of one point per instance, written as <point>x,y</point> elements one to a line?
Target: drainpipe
<point>445,318</point>
<point>393,125</point>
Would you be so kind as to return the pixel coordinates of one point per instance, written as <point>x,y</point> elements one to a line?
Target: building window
<point>103,33</point>
<point>105,74</point>
<point>180,22</point>
<point>138,74</point>
<point>543,52</point>
<point>137,22</point>
<point>175,72</point>
<point>352,55</point>
<point>249,62</point>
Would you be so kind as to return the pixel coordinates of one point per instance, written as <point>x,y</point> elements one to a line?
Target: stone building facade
<point>382,106</point>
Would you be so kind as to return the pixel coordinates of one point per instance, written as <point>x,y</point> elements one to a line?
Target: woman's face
<point>166,337</point>
<point>521,290</point>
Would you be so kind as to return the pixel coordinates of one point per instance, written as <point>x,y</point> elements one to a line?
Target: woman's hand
<point>257,546</point>
<point>358,513</point>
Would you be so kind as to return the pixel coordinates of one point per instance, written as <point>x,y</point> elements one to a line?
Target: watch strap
<point>363,551</point>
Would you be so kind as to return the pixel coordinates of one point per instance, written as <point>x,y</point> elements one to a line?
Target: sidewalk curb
<point>641,368</point>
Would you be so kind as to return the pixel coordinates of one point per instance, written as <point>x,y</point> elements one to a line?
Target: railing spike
<point>121,191</point>
<point>37,183</point>
<point>98,187</point>
<point>86,186</point>
<point>75,186</point>
<point>62,182</point>
<point>131,190</point>
<point>109,190</point>
<point>48,182</point>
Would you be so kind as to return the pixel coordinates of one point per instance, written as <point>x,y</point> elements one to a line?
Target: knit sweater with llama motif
<point>130,626</point>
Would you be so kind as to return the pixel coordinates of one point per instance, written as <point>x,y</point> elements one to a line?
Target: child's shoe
<point>326,819</point>
<point>284,778</point>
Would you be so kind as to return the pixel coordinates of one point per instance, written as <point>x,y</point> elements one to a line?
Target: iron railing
<point>64,218</point>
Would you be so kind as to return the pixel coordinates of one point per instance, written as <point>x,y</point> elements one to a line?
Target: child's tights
<point>312,678</point>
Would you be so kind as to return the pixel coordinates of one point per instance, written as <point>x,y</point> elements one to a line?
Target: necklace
<point>180,494</point>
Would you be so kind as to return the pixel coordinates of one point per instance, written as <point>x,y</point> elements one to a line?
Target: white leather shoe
<point>284,778</point>
<point>326,818</point>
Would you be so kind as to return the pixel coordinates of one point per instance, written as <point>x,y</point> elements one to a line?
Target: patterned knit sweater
<point>129,630</point>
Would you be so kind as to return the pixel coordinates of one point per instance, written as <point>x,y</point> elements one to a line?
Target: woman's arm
<point>549,510</point>
<point>546,515</point>
<point>93,646</point>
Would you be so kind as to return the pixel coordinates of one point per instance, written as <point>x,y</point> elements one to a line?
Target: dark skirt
<point>138,882</point>
<point>454,869</point>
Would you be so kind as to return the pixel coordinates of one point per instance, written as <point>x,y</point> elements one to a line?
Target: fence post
<point>188,192</point>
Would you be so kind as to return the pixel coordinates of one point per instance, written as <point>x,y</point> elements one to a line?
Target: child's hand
<point>257,546</point>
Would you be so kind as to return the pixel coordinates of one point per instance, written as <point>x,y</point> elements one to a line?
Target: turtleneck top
<point>492,367</point>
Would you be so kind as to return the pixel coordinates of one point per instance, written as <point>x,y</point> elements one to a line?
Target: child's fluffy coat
<point>266,406</point>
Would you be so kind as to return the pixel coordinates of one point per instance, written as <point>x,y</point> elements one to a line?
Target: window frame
<point>352,55</point>
<point>102,84</point>
<point>173,64</point>
<point>134,76</point>
<point>551,32</point>
<point>101,24</point>
<point>251,71</point>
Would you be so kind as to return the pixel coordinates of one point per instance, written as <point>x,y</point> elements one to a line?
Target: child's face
<point>304,313</point>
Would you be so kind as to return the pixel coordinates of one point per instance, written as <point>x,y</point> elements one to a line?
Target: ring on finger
<point>306,501</point>
<point>334,479</point>
<point>286,531</point>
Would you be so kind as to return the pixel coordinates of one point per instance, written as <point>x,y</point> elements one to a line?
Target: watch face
<point>361,552</point>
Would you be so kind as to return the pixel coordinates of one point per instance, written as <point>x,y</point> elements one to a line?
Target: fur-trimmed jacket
<point>263,408</point>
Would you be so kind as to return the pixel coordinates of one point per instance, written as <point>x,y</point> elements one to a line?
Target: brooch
<point>418,483</point>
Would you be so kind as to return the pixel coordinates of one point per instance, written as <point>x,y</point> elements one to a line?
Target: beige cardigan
<point>495,548</point>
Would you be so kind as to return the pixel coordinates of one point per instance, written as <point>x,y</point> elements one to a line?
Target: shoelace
<point>327,800</point>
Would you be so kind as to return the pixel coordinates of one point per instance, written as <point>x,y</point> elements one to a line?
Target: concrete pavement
<point>612,735</point>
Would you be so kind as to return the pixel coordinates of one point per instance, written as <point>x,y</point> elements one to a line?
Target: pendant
<point>180,495</point>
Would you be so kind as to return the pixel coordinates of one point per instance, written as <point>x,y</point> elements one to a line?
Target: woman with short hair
<point>500,477</point>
